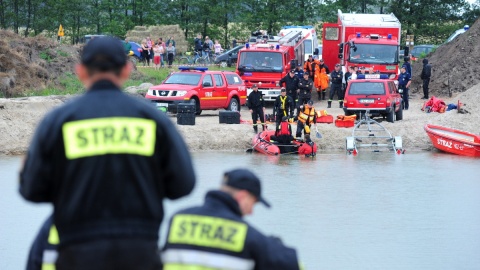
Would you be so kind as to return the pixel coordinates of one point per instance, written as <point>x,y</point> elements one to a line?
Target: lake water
<point>373,211</point>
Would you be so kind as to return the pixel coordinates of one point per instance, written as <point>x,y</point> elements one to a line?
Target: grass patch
<point>45,56</point>
<point>69,84</point>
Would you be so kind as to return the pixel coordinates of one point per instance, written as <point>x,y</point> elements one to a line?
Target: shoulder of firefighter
<point>214,236</point>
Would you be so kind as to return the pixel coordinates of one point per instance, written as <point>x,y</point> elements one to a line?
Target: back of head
<point>425,61</point>
<point>104,54</point>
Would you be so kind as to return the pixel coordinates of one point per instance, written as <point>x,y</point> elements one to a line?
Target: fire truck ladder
<point>291,38</point>
<point>368,133</point>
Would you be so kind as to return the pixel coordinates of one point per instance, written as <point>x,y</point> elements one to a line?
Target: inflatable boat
<point>262,143</point>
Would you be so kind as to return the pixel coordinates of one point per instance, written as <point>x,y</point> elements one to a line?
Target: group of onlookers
<point>158,52</point>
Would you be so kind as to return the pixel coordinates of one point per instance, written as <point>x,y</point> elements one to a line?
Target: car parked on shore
<point>421,50</point>
<point>376,94</point>
<point>222,59</point>
<point>209,90</point>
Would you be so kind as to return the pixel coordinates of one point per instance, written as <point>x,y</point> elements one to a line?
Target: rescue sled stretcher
<point>368,133</point>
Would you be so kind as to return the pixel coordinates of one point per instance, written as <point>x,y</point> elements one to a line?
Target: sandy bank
<point>19,117</point>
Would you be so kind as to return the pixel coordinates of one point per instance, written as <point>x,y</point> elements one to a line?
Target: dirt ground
<point>36,62</point>
<point>20,116</point>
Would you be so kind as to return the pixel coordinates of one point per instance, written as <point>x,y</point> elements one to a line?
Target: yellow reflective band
<point>48,266</point>
<point>114,135</point>
<point>208,232</point>
<point>53,238</point>
<point>175,266</point>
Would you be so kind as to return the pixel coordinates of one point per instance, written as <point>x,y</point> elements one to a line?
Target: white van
<point>308,34</point>
<point>458,32</point>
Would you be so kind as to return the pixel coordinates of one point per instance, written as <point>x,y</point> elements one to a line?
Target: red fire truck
<point>265,64</point>
<point>364,40</point>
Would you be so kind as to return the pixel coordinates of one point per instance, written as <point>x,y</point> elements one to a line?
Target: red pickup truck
<point>210,90</point>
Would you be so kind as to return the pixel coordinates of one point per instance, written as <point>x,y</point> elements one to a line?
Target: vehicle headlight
<point>181,93</point>
<point>392,76</point>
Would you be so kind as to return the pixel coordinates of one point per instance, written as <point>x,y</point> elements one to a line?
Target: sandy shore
<point>19,118</point>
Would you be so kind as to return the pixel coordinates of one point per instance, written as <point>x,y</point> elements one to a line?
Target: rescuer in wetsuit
<point>283,106</point>
<point>256,105</point>
<point>106,161</point>
<point>215,235</point>
<point>283,133</point>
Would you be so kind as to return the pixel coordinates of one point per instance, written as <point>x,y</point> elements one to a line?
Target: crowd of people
<point>160,52</point>
<point>106,168</point>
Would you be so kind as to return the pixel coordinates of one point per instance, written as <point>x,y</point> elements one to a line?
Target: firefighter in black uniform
<point>404,81</point>
<point>283,106</point>
<point>106,161</point>
<point>304,90</point>
<point>291,84</point>
<point>256,105</point>
<point>336,77</point>
<point>230,242</point>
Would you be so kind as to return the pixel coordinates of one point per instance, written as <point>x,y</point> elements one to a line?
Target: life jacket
<point>284,130</point>
<point>322,113</point>
<point>308,114</point>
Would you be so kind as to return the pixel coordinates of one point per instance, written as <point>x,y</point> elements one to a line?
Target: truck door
<point>331,37</point>
<point>206,92</point>
<point>220,92</point>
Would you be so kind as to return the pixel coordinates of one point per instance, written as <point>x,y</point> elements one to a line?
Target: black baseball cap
<point>310,102</point>
<point>292,71</point>
<point>104,53</point>
<point>254,85</point>
<point>245,180</point>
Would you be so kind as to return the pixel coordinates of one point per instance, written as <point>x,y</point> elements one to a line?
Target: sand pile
<point>33,62</point>
<point>454,65</point>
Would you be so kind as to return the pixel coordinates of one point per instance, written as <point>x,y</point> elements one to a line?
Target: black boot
<point>255,129</point>
<point>329,104</point>
<point>341,104</point>
<point>323,95</point>
<point>319,95</point>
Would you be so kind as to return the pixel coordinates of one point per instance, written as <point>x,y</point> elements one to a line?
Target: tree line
<point>431,21</point>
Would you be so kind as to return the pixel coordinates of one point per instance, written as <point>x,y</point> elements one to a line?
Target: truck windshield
<point>183,78</point>
<point>260,61</point>
<point>373,53</point>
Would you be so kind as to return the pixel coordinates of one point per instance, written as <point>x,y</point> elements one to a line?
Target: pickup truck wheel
<point>399,114</point>
<point>391,116</point>
<point>195,101</point>
<point>234,105</point>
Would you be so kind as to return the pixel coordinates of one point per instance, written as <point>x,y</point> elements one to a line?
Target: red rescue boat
<point>262,144</point>
<point>453,140</point>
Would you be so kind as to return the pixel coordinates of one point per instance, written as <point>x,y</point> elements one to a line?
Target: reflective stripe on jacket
<point>214,236</point>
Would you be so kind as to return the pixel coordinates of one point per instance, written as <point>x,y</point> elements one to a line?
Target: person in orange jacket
<point>321,79</point>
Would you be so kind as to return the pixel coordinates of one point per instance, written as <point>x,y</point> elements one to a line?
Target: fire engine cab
<point>265,64</point>
<point>370,41</point>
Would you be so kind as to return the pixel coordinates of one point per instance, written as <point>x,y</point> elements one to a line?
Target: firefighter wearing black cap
<point>283,106</point>
<point>336,77</point>
<point>304,90</point>
<point>291,85</point>
<point>306,117</point>
<point>215,236</point>
<point>106,161</point>
<point>256,105</point>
